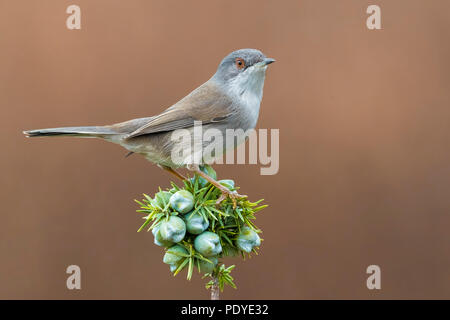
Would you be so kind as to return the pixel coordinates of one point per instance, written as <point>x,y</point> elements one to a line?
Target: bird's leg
<point>225,191</point>
<point>172,171</point>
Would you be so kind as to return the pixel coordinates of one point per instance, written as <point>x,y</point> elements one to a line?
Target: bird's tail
<point>85,132</point>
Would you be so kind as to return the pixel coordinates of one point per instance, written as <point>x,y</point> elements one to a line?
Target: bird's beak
<point>267,61</point>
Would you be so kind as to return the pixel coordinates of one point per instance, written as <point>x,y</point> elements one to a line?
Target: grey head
<point>243,69</point>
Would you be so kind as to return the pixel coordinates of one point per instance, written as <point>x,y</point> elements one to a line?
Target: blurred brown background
<point>364,158</point>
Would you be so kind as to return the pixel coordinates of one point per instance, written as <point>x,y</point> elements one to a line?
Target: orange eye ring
<point>240,63</point>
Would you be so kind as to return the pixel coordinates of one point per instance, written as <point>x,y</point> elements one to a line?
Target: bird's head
<point>243,71</point>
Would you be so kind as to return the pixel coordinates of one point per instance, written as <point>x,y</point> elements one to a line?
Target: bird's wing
<point>206,103</point>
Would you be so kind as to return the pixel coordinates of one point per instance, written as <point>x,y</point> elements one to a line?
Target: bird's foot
<point>233,195</point>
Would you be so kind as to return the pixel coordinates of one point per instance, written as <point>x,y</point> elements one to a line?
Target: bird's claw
<point>233,195</point>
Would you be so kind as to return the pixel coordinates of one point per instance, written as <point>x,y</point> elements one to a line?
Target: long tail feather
<point>87,132</point>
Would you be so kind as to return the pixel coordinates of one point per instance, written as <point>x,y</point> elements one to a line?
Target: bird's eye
<point>240,63</point>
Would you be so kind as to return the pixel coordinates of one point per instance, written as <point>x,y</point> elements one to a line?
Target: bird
<point>229,100</point>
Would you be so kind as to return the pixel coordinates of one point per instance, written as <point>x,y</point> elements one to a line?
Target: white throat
<point>247,87</point>
<point>250,82</point>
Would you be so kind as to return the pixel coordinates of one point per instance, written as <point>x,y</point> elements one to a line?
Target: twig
<point>215,288</point>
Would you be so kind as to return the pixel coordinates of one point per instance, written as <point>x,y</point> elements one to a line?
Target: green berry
<point>174,254</point>
<point>182,201</point>
<point>173,267</point>
<point>195,223</point>
<point>162,198</point>
<point>206,168</point>
<point>173,229</point>
<point>227,183</point>
<point>159,241</point>
<point>202,182</point>
<point>247,240</point>
<point>207,267</point>
<point>229,251</point>
<point>208,244</point>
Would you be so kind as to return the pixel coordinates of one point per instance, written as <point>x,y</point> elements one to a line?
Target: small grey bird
<point>229,100</point>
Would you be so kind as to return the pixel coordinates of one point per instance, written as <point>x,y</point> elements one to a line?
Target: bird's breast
<point>249,105</point>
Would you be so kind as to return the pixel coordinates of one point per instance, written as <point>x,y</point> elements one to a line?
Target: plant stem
<point>215,289</point>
